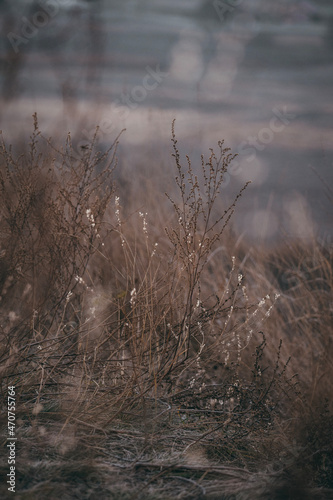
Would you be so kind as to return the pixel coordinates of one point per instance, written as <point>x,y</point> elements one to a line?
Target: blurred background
<point>256,73</point>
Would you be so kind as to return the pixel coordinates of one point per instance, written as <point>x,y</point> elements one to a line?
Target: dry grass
<point>157,360</point>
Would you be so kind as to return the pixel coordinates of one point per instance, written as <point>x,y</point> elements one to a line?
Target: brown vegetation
<point>168,361</point>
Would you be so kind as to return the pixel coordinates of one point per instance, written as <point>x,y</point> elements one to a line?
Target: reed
<point>157,360</point>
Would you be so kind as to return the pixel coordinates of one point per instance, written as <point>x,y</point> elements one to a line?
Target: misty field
<point>154,354</point>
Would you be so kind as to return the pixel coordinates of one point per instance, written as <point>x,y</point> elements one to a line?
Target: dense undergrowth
<point>155,360</point>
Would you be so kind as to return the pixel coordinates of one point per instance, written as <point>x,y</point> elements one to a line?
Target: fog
<point>257,74</point>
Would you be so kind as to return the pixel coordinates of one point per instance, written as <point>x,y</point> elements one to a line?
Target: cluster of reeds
<point>135,348</point>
